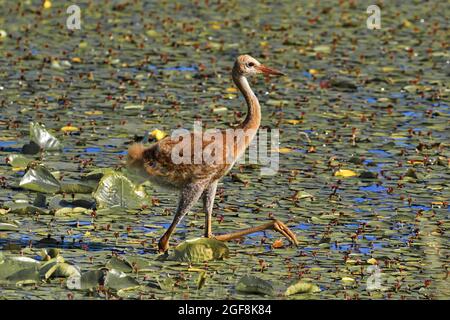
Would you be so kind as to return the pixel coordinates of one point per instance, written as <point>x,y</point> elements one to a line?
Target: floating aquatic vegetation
<point>45,140</point>
<point>118,280</point>
<point>8,226</point>
<point>18,161</point>
<point>75,188</point>
<point>345,104</point>
<point>302,287</point>
<point>23,208</point>
<point>115,189</point>
<point>38,178</point>
<point>199,250</point>
<point>18,271</point>
<point>87,281</point>
<point>57,267</point>
<point>254,285</point>
<point>345,173</point>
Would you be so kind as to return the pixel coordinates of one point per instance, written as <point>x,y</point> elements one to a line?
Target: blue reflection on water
<point>93,150</point>
<point>380,152</point>
<point>373,188</point>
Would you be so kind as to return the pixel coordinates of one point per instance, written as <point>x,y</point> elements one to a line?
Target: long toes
<point>285,231</point>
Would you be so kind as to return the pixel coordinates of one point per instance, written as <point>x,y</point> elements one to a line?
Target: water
<point>180,70</point>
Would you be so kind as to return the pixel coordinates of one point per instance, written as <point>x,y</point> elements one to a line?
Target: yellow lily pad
<point>345,173</point>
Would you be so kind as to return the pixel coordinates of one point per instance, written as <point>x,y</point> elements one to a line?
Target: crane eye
<point>250,64</point>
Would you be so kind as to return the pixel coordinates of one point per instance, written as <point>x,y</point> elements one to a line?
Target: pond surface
<point>374,102</point>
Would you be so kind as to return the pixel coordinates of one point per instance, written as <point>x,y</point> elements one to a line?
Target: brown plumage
<point>197,176</point>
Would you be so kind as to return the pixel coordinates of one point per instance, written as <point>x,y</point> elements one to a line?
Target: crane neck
<point>253,119</point>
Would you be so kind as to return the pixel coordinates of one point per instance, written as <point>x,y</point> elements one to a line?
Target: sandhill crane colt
<point>196,179</point>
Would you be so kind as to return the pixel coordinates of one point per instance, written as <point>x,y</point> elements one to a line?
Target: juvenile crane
<point>193,179</point>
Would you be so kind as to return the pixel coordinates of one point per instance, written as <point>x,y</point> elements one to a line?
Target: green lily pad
<point>38,178</point>
<point>57,202</point>
<point>40,136</point>
<point>11,265</point>
<point>118,280</point>
<point>199,250</point>
<point>29,276</point>
<point>302,287</point>
<point>18,160</point>
<point>254,285</point>
<point>166,283</point>
<point>87,281</point>
<point>76,188</point>
<point>8,227</point>
<point>139,263</point>
<point>119,265</point>
<point>24,208</point>
<point>115,189</point>
<point>57,268</point>
<point>67,211</point>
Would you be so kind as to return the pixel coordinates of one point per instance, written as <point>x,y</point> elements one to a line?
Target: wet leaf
<point>118,280</point>
<point>199,250</point>
<point>166,284</point>
<point>71,211</point>
<point>8,227</point>
<point>254,285</point>
<point>24,208</point>
<point>115,189</point>
<point>293,121</point>
<point>11,265</point>
<point>201,280</point>
<point>347,280</point>
<point>87,281</point>
<point>40,136</point>
<point>119,265</point>
<point>39,179</point>
<point>18,161</point>
<point>76,188</point>
<point>345,173</point>
<point>70,129</point>
<point>158,134</point>
<point>57,268</point>
<point>302,287</point>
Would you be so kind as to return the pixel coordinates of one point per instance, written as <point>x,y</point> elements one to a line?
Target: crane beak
<point>269,71</point>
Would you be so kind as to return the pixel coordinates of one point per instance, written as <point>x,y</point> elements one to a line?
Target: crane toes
<point>285,231</point>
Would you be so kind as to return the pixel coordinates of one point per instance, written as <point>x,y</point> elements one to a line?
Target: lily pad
<point>199,250</point>
<point>76,188</point>
<point>24,208</point>
<point>302,287</point>
<point>254,285</point>
<point>118,280</point>
<point>8,227</point>
<point>38,178</point>
<point>11,265</point>
<point>119,265</point>
<point>18,160</point>
<point>58,268</point>
<point>29,276</point>
<point>87,281</point>
<point>115,189</point>
<point>40,136</point>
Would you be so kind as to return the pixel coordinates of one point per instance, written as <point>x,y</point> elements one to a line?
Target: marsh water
<point>363,116</point>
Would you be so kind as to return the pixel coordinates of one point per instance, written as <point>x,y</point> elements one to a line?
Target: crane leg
<point>208,203</point>
<point>188,197</point>
<point>275,225</point>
